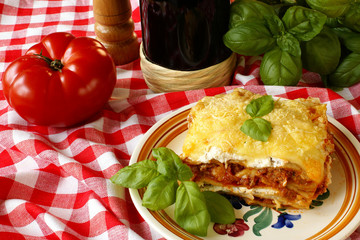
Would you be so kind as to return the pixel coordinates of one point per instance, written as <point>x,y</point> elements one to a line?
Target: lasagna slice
<point>288,171</point>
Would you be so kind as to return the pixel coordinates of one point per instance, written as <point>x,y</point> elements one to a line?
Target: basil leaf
<point>350,39</point>
<point>303,23</point>
<point>249,39</point>
<point>347,73</point>
<point>160,193</point>
<point>332,22</point>
<point>257,128</point>
<point>190,209</point>
<point>165,160</point>
<point>275,25</point>
<point>220,209</point>
<point>280,68</point>
<point>249,11</point>
<point>260,106</point>
<point>351,18</point>
<point>165,154</point>
<point>289,43</point>
<point>137,175</point>
<point>317,57</point>
<point>332,8</point>
<point>170,164</point>
<point>184,172</point>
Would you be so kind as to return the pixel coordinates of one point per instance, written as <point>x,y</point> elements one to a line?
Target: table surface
<point>55,181</point>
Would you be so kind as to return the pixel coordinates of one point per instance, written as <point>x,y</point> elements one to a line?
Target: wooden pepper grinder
<point>114,28</point>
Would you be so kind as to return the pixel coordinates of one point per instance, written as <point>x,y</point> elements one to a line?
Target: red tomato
<point>69,84</point>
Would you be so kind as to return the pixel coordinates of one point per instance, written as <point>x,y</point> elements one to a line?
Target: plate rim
<point>149,218</point>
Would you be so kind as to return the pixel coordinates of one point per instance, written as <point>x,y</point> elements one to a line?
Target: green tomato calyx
<point>55,64</point>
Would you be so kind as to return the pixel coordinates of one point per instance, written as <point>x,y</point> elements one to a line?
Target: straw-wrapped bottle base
<point>161,79</point>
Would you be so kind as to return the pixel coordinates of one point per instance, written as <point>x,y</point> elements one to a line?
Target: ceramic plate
<point>333,216</point>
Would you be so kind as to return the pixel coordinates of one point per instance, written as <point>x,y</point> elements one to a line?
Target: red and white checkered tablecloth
<point>54,182</point>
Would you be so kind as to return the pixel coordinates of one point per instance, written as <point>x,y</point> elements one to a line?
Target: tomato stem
<point>55,64</point>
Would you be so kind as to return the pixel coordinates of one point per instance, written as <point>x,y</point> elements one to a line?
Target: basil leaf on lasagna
<point>257,128</point>
<point>260,106</point>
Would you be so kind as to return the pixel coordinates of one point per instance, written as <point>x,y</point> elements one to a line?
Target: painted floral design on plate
<point>263,217</point>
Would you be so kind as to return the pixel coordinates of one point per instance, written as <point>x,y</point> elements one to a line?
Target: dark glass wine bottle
<point>184,34</point>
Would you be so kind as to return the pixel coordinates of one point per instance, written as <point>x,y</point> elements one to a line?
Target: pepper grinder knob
<point>114,28</point>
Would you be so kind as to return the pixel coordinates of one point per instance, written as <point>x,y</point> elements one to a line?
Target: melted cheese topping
<point>298,136</point>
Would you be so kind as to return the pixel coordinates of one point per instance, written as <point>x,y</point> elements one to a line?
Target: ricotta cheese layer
<point>223,157</point>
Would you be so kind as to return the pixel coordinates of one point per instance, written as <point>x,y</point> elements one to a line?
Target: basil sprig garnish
<point>257,127</point>
<point>168,182</point>
<point>190,209</point>
<point>140,174</point>
<point>261,106</point>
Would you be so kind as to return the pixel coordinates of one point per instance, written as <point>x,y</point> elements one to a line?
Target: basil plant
<point>256,29</point>
<point>346,12</point>
<point>348,71</point>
